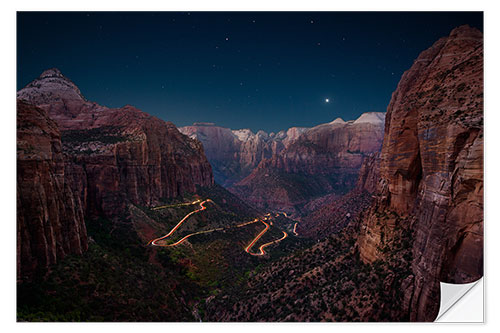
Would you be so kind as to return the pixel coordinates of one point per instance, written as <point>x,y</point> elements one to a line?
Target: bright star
<point>327,100</point>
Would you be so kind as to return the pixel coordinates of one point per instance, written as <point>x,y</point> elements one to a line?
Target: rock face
<point>322,160</point>
<point>369,174</point>
<point>50,221</point>
<point>118,156</point>
<point>233,154</point>
<point>431,170</point>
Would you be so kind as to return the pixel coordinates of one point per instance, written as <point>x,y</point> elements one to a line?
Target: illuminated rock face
<point>322,160</point>
<point>234,154</point>
<point>431,170</point>
<point>50,221</point>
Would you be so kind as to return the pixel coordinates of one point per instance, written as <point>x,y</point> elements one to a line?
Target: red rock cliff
<point>234,154</point>
<point>50,221</point>
<point>431,170</point>
<point>324,159</point>
<point>117,156</point>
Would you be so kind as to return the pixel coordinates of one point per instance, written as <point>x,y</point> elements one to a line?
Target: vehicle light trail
<point>295,229</point>
<point>266,217</point>
<point>261,248</point>
<point>247,249</point>
<point>154,241</point>
<point>177,205</point>
<point>180,241</point>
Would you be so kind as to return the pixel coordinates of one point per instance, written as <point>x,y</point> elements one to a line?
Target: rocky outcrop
<point>233,154</point>
<point>431,171</point>
<point>50,222</point>
<point>117,156</point>
<point>322,160</point>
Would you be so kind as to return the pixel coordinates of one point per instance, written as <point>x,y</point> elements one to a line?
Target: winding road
<point>154,242</point>
<point>261,248</point>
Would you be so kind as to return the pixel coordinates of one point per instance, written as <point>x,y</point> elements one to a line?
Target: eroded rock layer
<point>431,170</point>
<point>50,221</point>
<point>322,160</point>
<point>234,154</point>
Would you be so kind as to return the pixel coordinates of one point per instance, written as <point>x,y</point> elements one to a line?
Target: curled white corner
<point>461,302</point>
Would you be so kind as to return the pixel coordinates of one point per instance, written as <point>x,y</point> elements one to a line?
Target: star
<point>227,38</point>
<point>327,100</point>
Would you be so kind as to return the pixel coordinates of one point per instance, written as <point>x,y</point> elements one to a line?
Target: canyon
<point>321,161</point>
<point>234,154</point>
<point>365,216</point>
<point>423,221</point>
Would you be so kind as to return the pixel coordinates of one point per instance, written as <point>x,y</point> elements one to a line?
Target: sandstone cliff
<point>117,156</point>
<point>369,173</point>
<point>233,154</point>
<point>50,221</point>
<point>324,159</point>
<point>431,171</point>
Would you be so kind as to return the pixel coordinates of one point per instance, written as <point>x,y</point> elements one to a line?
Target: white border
<point>8,199</point>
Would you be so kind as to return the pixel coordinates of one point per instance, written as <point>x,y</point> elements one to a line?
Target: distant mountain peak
<point>371,117</point>
<point>338,121</point>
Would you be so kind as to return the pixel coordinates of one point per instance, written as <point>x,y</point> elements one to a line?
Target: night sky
<point>261,70</point>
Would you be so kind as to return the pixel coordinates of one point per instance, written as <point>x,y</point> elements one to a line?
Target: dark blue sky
<point>263,70</point>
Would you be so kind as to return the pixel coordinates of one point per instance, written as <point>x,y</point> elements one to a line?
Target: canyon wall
<point>233,154</point>
<point>117,156</point>
<point>431,171</point>
<point>322,160</point>
<point>78,159</point>
<point>50,222</point>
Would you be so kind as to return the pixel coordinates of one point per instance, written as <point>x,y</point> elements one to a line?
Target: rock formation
<point>322,160</point>
<point>50,221</point>
<point>233,154</point>
<point>117,156</point>
<point>77,158</point>
<point>369,173</point>
<point>431,171</point>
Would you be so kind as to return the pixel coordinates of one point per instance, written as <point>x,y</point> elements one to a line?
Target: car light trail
<point>266,217</point>
<point>177,205</point>
<point>261,248</point>
<point>154,241</point>
<point>247,249</point>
